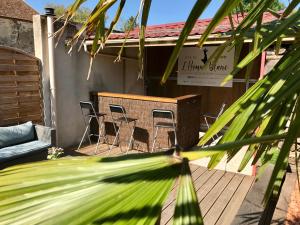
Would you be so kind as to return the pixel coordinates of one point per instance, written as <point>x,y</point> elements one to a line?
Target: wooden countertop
<point>146,98</point>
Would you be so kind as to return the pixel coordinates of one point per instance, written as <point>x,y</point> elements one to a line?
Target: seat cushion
<point>16,134</point>
<point>128,119</point>
<point>15,151</point>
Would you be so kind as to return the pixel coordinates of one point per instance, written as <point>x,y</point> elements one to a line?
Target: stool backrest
<point>88,106</point>
<point>117,109</point>
<point>162,113</point>
<point>221,110</point>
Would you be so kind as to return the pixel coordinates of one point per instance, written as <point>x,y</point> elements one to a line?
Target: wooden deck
<point>220,193</point>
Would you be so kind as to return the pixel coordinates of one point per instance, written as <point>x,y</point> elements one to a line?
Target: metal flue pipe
<point>49,13</point>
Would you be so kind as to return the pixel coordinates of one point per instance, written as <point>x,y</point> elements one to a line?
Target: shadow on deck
<point>220,193</point>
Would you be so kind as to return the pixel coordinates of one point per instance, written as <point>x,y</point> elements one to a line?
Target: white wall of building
<point>72,85</point>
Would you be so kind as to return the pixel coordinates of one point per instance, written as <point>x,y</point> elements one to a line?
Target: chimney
<point>49,12</point>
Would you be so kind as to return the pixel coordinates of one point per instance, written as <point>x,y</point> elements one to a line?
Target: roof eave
<point>162,41</point>
<point>171,41</point>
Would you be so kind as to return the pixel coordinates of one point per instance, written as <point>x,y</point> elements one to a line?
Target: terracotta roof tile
<point>174,29</point>
<point>17,9</point>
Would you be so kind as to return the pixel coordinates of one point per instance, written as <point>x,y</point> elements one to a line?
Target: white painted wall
<point>72,86</point>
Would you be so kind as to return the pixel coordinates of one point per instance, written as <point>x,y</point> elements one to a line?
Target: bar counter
<point>186,110</point>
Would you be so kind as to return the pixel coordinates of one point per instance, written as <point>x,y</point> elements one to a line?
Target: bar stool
<point>213,118</point>
<point>87,117</point>
<point>163,114</point>
<point>118,115</point>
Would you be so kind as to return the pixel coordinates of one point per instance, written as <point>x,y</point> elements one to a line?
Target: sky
<point>162,11</point>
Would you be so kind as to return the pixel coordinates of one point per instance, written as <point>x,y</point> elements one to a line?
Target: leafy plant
<point>80,17</point>
<point>129,24</point>
<point>89,190</point>
<point>54,153</point>
<point>248,4</point>
<point>132,189</point>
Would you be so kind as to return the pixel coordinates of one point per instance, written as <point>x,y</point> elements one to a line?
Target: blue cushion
<point>15,151</point>
<point>16,134</point>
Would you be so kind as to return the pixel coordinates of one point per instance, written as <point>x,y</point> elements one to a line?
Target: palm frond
<point>282,159</point>
<point>187,210</point>
<point>201,152</point>
<point>290,8</point>
<point>145,13</point>
<point>223,11</point>
<point>197,10</point>
<point>85,190</point>
<point>267,40</point>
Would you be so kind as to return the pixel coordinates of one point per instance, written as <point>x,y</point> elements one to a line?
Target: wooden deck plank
<point>173,192</point>
<point>193,167</point>
<point>220,194</point>
<point>171,197</point>
<point>212,215</point>
<point>203,179</point>
<point>206,187</point>
<point>198,172</point>
<point>215,192</point>
<point>235,202</point>
<point>168,211</point>
<point>252,211</point>
<point>103,150</point>
<point>167,214</point>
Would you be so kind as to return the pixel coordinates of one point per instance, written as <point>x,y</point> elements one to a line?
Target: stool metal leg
<point>175,142</point>
<point>104,132</point>
<point>207,124</point>
<point>116,137</point>
<point>99,135</point>
<point>154,139</point>
<point>101,126</point>
<point>131,139</point>
<point>84,134</point>
<point>175,136</point>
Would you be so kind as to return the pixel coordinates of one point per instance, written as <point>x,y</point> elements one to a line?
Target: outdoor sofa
<point>24,142</point>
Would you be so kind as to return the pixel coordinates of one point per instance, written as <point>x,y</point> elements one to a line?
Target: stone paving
<point>293,215</point>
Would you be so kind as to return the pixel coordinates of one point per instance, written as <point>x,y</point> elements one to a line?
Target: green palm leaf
<point>187,210</point>
<point>145,14</point>
<point>254,15</point>
<point>256,93</point>
<point>223,11</point>
<point>201,152</point>
<point>197,10</point>
<point>266,42</point>
<point>124,190</point>
<point>290,7</point>
<point>115,19</point>
<point>282,159</point>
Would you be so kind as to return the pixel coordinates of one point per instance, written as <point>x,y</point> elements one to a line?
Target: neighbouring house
<point>16,28</point>
<point>20,88</point>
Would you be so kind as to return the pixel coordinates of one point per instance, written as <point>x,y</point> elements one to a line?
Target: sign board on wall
<point>191,69</point>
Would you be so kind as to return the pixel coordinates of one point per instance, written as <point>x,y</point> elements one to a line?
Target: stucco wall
<point>17,33</point>
<point>72,85</point>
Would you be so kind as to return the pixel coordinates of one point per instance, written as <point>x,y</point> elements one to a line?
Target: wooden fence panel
<point>20,88</point>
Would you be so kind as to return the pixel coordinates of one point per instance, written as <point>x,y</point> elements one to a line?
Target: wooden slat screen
<point>20,88</point>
